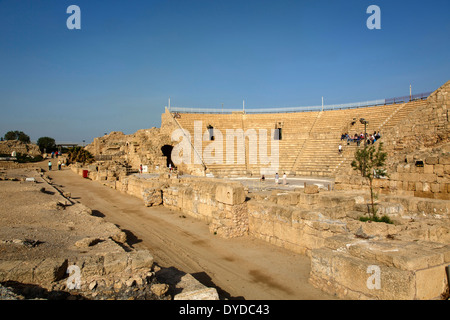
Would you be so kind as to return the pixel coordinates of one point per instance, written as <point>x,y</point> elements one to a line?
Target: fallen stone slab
<point>183,286</point>
<point>201,294</point>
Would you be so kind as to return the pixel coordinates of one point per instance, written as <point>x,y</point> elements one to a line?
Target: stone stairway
<point>308,145</point>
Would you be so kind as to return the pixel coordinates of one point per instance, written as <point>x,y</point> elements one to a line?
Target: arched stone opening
<point>167,152</point>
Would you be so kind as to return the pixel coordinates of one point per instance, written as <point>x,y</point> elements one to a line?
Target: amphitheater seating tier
<point>310,140</point>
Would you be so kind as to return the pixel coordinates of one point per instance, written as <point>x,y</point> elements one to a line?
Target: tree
<point>370,162</point>
<point>17,135</point>
<point>10,135</point>
<point>46,144</point>
<point>79,154</point>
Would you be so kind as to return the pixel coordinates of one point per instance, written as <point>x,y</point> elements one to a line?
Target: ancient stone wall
<point>425,175</point>
<point>411,254</point>
<point>220,203</point>
<point>426,127</point>
<point>418,154</point>
<point>355,268</point>
<point>142,147</point>
<point>8,146</point>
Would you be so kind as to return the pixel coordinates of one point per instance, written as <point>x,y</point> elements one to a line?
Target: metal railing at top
<point>353,105</point>
<point>404,99</point>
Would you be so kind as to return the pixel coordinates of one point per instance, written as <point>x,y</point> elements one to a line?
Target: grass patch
<point>375,218</point>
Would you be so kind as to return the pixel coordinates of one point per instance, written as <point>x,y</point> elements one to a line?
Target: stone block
<point>428,168</point>
<point>50,270</point>
<point>16,270</point>
<point>90,265</point>
<point>141,259</point>
<point>419,186</point>
<point>435,188</point>
<point>200,294</point>
<point>432,160</point>
<point>424,194</point>
<point>447,169</point>
<point>427,177</point>
<point>311,189</point>
<point>283,199</point>
<point>416,259</point>
<point>439,170</point>
<point>442,196</point>
<point>152,197</point>
<point>230,194</point>
<point>261,226</point>
<point>115,262</point>
<point>342,274</point>
<point>87,242</point>
<point>444,159</point>
<point>431,283</point>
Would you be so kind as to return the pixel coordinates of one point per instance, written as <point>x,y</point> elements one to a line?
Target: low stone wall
<point>429,180</point>
<point>220,203</point>
<point>292,228</point>
<point>355,268</point>
<point>411,254</point>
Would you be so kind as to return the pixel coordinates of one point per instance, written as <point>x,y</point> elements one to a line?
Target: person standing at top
<point>284,178</point>
<point>49,166</point>
<point>276,178</point>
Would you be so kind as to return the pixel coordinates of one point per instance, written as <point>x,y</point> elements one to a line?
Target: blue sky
<point>118,71</point>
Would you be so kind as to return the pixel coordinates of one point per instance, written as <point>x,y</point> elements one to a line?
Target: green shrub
<point>79,154</point>
<point>375,218</point>
<point>24,158</point>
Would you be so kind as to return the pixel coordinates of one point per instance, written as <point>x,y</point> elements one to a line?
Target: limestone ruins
<point>409,258</point>
<point>351,259</point>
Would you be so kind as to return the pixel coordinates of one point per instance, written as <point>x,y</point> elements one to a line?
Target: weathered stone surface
<point>431,283</point>
<point>159,289</point>
<point>230,193</point>
<point>152,197</point>
<point>10,146</point>
<point>142,147</point>
<point>311,189</point>
<point>115,262</point>
<point>141,259</point>
<point>417,168</point>
<point>120,237</point>
<point>50,270</point>
<point>201,294</point>
<point>87,242</point>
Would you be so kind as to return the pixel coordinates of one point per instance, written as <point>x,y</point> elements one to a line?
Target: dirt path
<point>239,268</point>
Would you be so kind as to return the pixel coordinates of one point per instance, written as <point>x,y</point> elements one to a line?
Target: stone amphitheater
<point>316,211</point>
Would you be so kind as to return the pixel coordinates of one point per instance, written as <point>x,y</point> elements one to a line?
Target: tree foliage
<point>17,135</point>
<point>370,162</point>
<point>46,143</point>
<point>79,154</point>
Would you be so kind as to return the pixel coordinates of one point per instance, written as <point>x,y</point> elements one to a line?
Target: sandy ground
<point>242,268</point>
<point>31,217</point>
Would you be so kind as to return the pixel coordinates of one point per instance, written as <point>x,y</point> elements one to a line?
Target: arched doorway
<point>167,152</point>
